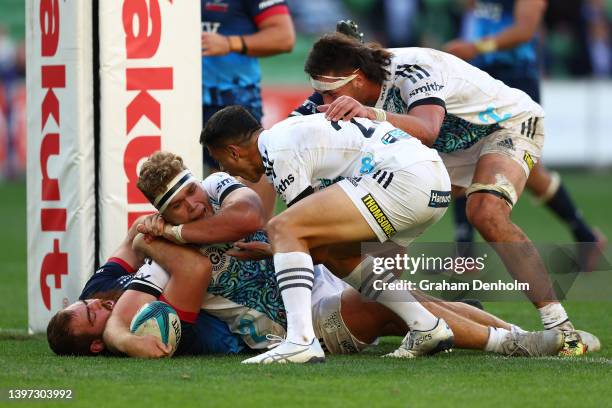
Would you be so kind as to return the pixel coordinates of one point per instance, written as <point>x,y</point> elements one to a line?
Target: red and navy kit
<point>201,333</point>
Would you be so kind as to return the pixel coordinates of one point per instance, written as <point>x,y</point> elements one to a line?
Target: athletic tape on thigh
<point>555,182</point>
<point>502,188</point>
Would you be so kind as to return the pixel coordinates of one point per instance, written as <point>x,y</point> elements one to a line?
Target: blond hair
<point>155,174</point>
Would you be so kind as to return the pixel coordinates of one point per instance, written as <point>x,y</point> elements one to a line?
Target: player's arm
<point>275,35</point>
<point>422,122</point>
<point>241,214</point>
<point>117,336</point>
<point>125,251</point>
<point>528,15</point>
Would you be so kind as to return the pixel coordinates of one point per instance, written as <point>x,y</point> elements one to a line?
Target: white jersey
<point>476,103</point>
<point>306,152</point>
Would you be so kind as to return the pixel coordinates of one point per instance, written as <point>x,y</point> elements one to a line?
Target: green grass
<point>460,378</point>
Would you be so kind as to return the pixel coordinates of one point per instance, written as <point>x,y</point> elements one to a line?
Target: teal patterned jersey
<point>243,294</point>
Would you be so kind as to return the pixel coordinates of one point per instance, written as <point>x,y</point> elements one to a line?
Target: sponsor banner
<point>150,87</point>
<point>60,192</point>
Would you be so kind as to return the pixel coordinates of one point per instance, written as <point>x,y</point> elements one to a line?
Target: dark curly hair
<point>337,54</point>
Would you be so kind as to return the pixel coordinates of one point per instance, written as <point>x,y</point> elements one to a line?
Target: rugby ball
<point>158,319</point>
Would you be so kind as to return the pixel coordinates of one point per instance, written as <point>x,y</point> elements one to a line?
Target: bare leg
<point>462,309</point>
<point>490,215</point>
<point>368,320</point>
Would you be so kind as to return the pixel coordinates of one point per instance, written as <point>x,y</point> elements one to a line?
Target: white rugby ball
<point>160,320</point>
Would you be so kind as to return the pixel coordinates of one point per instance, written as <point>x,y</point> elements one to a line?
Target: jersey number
<point>367,133</point>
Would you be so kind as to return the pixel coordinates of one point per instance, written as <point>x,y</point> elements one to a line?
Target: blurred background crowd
<point>575,44</point>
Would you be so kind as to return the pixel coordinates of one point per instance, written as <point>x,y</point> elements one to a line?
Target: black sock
<point>561,204</point>
<point>464,232</point>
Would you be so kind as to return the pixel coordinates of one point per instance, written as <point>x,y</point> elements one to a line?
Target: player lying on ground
<point>345,322</point>
<point>164,172</point>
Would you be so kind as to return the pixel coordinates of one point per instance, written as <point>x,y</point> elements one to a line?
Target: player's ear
<point>96,346</point>
<point>234,151</point>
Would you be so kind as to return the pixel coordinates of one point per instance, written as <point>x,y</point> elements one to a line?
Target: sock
<point>295,277</point>
<point>464,231</point>
<point>497,337</point>
<point>516,329</point>
<point>561,204</point>
<point>401,302</point>
<point>553,315</point>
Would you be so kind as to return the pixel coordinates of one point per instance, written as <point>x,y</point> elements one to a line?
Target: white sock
<point>401,302</point>
<point>516,329</point>
<point>553,315</point>
<point>295,277</point>
<point>497,337</point>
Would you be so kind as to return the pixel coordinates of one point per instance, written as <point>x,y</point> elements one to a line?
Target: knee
<point>279,227</point>
<point>487,212</point>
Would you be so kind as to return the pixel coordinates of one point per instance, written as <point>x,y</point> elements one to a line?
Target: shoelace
<point>274,340</point>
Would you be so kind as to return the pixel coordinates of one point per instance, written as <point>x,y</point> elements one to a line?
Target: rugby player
<point>366,320</point>
<point>502,40</point>
<point>489,135</point>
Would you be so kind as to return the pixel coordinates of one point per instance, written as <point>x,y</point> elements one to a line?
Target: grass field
<point>457,379</point>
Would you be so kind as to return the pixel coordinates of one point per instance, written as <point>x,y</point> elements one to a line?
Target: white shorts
<point>329,327</point>
<point>522,143</point>
<point>400,205</point>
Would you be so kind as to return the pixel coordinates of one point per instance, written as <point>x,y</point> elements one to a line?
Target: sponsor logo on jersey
<point>269,3</point>
<point>216,5</point>
<point>284,184</point>
<point>216,256</point>
<point>529,160</point>
<point>412,72</point>
<point>393,136</point>
<point>439,199</point>
<point>427,88</point>
<point>223,183</point>
<point>381,218</point>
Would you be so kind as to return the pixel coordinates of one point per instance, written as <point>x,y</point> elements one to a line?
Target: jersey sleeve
<point>115,274</point>
<point>309,106</point>
<point>421,85</point>
<point>219,185</point>
<point>262,9</point>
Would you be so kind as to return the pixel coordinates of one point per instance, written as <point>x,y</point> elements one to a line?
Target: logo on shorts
<point>506,144</point>
<point>529,160</point>
<point>439,199</point>
<point>381,219</point>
